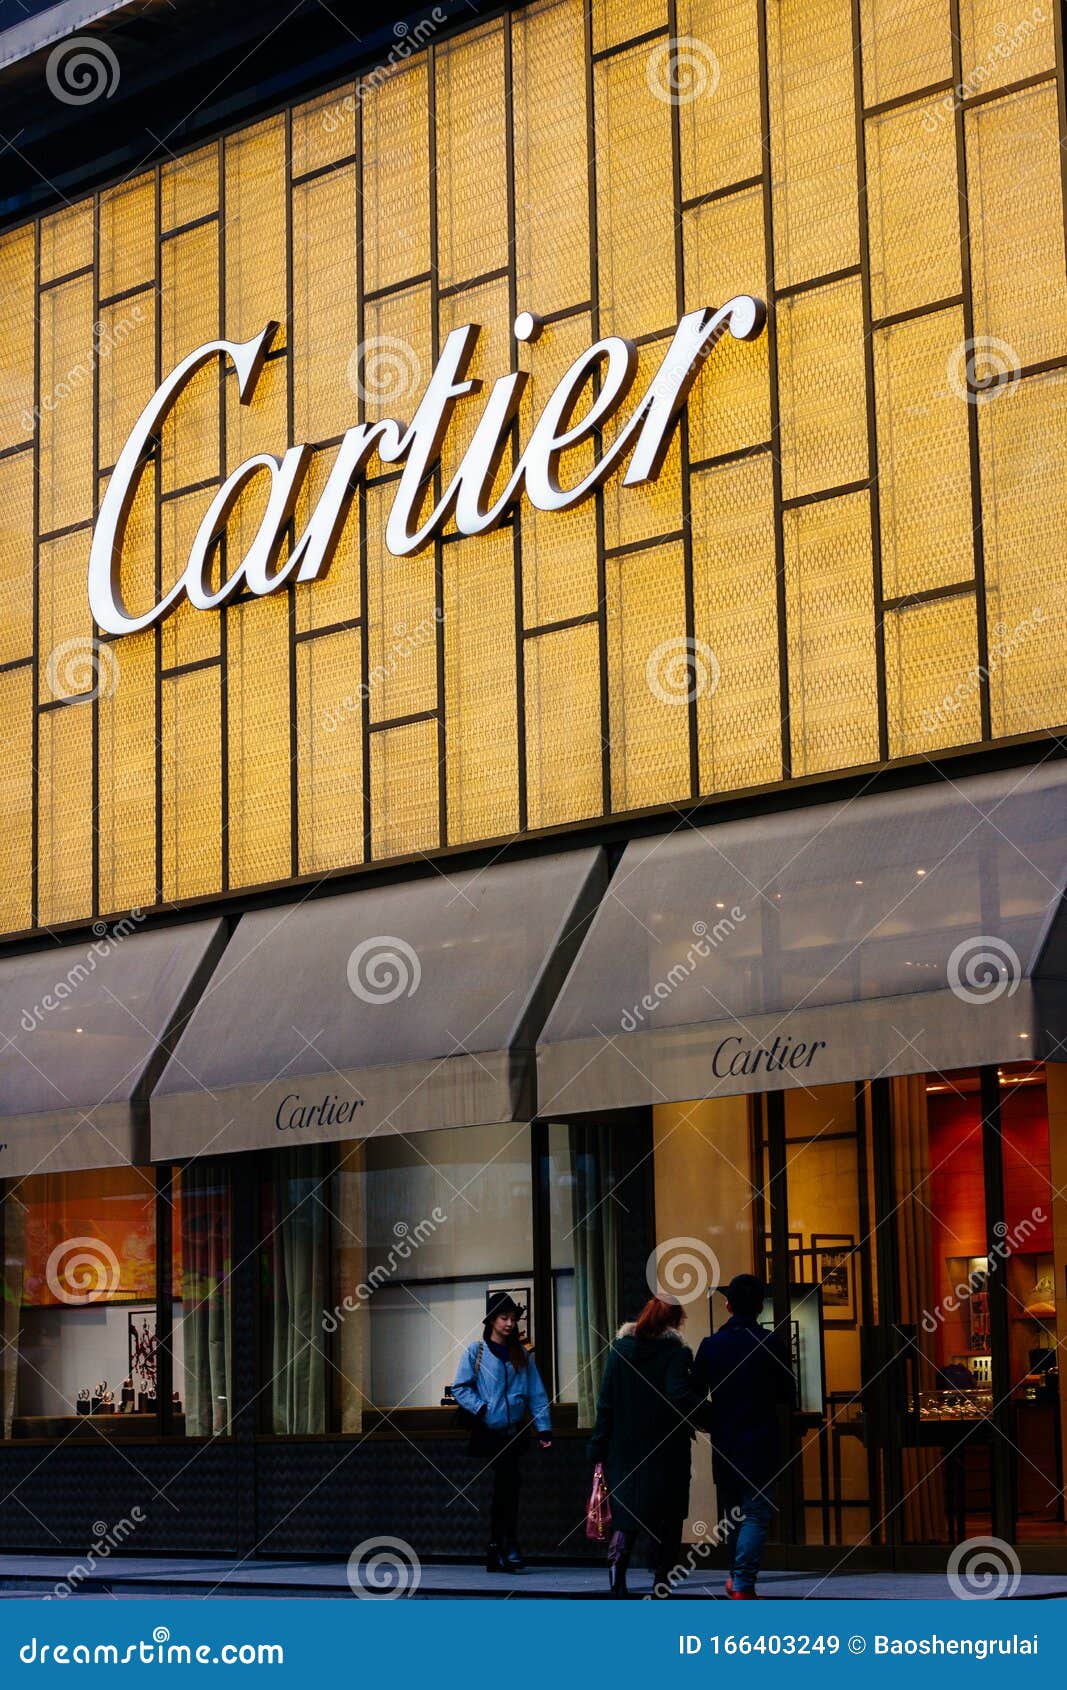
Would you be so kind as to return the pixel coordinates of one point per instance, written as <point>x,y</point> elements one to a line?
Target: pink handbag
<point>598,1509</point>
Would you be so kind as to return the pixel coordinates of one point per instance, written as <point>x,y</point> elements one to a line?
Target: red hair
<point>658,1317</point>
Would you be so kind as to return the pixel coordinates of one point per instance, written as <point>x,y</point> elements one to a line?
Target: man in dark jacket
<point>747,1372</point>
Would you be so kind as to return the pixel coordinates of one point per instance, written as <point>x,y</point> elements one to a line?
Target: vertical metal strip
<point>227,611</point>
<point>875,509</point>
<point>35,720</point>
<point>361,494</point>
<point>438,548</point>
<point>544,1325</point>
<point>290,425</point>
<point>775,407</point>
<point>973,441</point>
<point>522,809</point>
<point>683,429</point>
<point>157,642</point>
<point>883,1399</point>
<point>94,702</point>
<point>164,1206</point>
<point>597,436</point>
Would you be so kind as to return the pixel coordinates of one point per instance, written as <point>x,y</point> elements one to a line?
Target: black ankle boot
<point>494,1560</point>
<point>617,1580</point>
<point>619,1550</point>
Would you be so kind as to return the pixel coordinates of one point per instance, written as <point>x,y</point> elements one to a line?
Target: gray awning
<point>393,1009</point>
<point>903,932</point>
<point>83,1034</point>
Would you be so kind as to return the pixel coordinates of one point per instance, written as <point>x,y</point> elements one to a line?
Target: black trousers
<point>507,1479</point>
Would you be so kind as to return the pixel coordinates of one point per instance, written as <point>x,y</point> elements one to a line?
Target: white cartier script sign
<point>606,373</point>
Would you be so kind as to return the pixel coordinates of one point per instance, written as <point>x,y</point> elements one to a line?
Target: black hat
<point>745,1294</point>
<point>500,1302</point>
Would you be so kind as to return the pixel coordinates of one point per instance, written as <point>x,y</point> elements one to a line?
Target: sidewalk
<point>144,1576</point>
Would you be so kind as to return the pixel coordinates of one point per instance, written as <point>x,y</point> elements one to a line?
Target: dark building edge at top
<point>186,70</point>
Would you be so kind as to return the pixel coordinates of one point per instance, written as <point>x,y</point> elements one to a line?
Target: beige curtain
<point>351,1342</point>
<point>924,1486</point>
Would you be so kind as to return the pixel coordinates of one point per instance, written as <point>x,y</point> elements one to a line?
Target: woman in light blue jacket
<point>499,1385</point>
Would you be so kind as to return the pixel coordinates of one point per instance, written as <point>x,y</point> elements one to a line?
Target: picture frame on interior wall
<point>796,1256</point>
<point>833,1257</point>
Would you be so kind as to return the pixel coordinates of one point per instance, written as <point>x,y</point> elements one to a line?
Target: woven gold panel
<point>647,685</point>
<point>260,425</point>
<point>471,181</point>
<point>559,560</point>
<point>911,161</point>
<point>396,176</point>
<point>188,635</point>
<point>486,306</point>
<point>730,404</point>
<point>329,752</point>
<point>931,676</point>
<point>551,167</point>
<point>325,320</point>
<point>1004,44</point>
<point>126,338</point>
<point>481,730</point>
<point>191,762</point>
<point>907,44</point>
<point>401,622</point>
<point>1013,164</point>
<point>564,747</point>
<point>395,356</point>
<point>65,814</point>
<point>615,21</point>
<point>138,575</point>
<point>127,779</point>
<point>717,73</point>
<point>256,231</point>
<point>16,799</point>
<point>189,316</point>
<point>16,557</point>
<point>822,389</point>
<point>736,626</point>
<point>258,749</point>
<point>923,455</point>
<point>635,199</point>
<point>813,140</point>
<point>632,514</point>
<point>189,187</point>
<point>1023,435</point>
<point>67,240</point>
<point>335,596</point>
<point>325,130</point>
<point>65,475</point>
<point>128,235</point>
<point>831,645</point>
<point>64,632</point>
<point>403,790</point>
<point>17,316</point>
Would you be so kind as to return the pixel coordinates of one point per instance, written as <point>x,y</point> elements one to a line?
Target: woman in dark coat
<point>643,1436</point>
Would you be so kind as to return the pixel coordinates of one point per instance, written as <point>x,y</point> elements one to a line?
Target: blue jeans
<point>747,1511</point>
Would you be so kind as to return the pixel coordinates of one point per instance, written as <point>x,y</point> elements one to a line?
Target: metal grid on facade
<point>860,556</point>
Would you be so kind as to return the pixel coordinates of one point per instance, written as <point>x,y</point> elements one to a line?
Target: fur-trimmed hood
<point>628,1329</point>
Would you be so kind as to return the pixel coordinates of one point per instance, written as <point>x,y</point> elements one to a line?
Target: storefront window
<point>80,1303</point>
<point>587,1161</point>
<point>201,1326</point>
<point>377,1265</point>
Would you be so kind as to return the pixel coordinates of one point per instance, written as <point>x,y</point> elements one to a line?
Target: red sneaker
<point>741,1595</point>
<point>729,1585</point>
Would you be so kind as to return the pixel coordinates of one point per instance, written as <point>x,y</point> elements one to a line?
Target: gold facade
<point>859,544</point>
